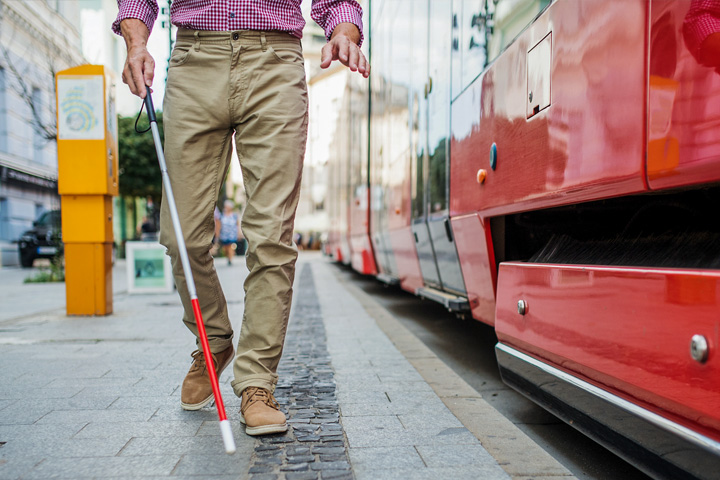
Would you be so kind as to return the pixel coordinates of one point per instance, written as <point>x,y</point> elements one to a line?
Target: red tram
<point>552,168</point>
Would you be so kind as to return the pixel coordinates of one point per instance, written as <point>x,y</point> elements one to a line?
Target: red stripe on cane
<point>208,359</point>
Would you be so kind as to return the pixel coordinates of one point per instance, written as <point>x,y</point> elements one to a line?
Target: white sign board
<point>81,107</point>
<point>148,268</point>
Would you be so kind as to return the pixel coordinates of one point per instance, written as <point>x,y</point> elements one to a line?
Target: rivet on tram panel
<point>699,348</point>
<point>481,176</point>
<point>522,307</point>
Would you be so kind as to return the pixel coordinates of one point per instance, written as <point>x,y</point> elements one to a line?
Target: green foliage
<point>56,272</point>
<point>139,169</point>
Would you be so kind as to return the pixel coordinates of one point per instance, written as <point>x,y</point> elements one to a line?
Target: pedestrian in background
<point>146,230</point>
<point>237,67</point>
<point>228,230</point>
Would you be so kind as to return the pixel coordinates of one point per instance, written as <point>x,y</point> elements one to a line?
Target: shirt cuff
<point>144,10</point>
<point>344,14</point>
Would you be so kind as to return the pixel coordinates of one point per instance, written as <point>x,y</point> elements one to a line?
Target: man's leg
<point>271,124</point>
<point>197,147</point>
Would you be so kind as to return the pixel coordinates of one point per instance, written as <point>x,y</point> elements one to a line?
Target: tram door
<point>418,170</point>
<point>435,242</point>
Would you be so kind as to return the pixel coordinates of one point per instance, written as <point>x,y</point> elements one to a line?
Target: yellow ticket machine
<point>87,181</point>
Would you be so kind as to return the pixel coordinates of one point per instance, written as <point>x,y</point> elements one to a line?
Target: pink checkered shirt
<point>702,19</point>
<point>229,15</point>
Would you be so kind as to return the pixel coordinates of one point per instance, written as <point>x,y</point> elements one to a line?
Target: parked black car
<point>43,241</point>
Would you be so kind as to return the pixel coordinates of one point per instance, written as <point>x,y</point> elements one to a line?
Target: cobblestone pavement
<point>315,446</point>
<point>98,397</point>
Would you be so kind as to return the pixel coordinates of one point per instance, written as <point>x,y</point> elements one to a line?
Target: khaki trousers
<point>252,84</point>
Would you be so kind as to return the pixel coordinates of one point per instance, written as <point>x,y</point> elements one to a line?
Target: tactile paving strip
<point>315,446</point>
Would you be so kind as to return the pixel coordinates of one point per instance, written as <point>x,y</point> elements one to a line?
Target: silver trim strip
<point>388,279</point>
<point>450,301</point>
<point>647,415</point>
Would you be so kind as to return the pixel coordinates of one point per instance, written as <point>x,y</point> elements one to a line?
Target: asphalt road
<point>467,346</point>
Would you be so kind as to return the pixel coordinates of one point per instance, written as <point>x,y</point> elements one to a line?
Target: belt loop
<point>263,41</point>
<point>197,40</point>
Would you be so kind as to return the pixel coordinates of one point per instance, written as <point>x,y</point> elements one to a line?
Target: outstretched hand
<point>343,46</point>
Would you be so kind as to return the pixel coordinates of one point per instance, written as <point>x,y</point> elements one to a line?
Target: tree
<point>138,163</point>
<point>44,125</point>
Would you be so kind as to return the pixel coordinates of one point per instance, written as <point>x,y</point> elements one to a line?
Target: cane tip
<point>227,437</point>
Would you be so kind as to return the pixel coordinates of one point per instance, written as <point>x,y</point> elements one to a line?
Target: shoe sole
<point>197,406</point>
<point>264,429</point>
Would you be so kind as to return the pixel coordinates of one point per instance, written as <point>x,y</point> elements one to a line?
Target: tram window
<point>481,31</point>
<point>418,155</point>
<point>511,17</point>
<point>419,103</point>
<point>439,37</point>
<point>437,176</point>
<point>474,33</point>
<point>456,65</point>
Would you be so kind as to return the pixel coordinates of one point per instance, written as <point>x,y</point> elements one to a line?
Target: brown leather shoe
<point>196,389</point>
<point>260,413</point>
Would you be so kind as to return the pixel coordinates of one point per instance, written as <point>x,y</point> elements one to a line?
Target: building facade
<point>332,94</point>
<point>37,39</point>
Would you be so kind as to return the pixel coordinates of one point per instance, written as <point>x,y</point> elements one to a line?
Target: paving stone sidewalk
<point>396,425</point>
<point>99,397</point>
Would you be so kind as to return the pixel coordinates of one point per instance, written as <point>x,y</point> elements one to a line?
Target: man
<point>237,68</point>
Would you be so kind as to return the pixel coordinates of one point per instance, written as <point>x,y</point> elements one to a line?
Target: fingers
<point>341,48</point>
<point>149,71</point>
<point>136,73</point>
<point>363,66</point>
<point>327,55</point>
<point>353,57</point>
<point>129,79</point>
<point>356,61</point>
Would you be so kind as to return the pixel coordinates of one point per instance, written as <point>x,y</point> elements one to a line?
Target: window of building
<point>38,140</point>
<point>4,226</point>
<point>3,113</point>
<point>39,209</point>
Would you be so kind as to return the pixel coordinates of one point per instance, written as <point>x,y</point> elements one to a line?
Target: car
<point>43,240</point>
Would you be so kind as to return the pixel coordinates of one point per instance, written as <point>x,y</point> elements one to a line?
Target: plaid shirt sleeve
<point>329,13</point>
<point>144,10</point>
<point>702,19</point>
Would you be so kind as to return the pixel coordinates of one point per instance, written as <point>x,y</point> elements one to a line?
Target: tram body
<point>552,169</point>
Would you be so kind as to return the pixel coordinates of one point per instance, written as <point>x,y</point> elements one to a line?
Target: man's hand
<point>139,65</point>
<point>343,46</point>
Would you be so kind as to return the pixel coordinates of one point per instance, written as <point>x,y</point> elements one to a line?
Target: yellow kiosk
<point>87,181</point>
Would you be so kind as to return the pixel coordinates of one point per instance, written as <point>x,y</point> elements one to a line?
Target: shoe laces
<point>257,394</point>
<point>199,360</point>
